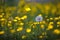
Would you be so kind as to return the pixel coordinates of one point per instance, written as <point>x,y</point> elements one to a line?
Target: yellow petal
<point>28,30</point>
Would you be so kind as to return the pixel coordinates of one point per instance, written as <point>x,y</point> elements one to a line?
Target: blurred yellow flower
<point>51,23</point>
<point>9,25</point>
<point>2,32</point>
<point>28,9</point>
<point>19,19</point>
<point>50,27</point>
<point>40,15</point>
<point>3,19</point>
<point>16,17</point>
<point>15,20</point>
<point>56,31</point>
<point>28,30</point>
<point>24,17</point>
<point>12,30</point>
<point>9,21</point>
<point>1,16</point>
<point>23,36</point>
<point>58,23</point>
<point>34,26</point>
<point>56,18</point>
<point>51,18</point>
<point>40,36</point>
<point>42,26</point>
<point>19,28</point>
<point>21,23</point>
<point>59,17</point>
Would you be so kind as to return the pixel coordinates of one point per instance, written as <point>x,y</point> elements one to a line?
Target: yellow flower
<point>51,23</point>
<point>15,20</point>
<point>58,23</point>
<point>9,21</point>
<point>34,26</point>
<point>2,32</point>
<point>40,15</point>
<point>50,27</point>
<point>28,30</point>
<point>21,23</point>
<point>56,18</point>
<point>12,30</point>
<point>19,28</point>
<point>23,37</point>
<point>40,36</point>
<point>42,26</point>
<point>3,19</point>
<point>9,24</point>
<point>19,18</point>
<point>24,17</point>
<point>1,15</point>
<point>56,31</point>
<point>27,9</point>
<point>59,17</point>
<point>16,17</point>
<point>51,18</point>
